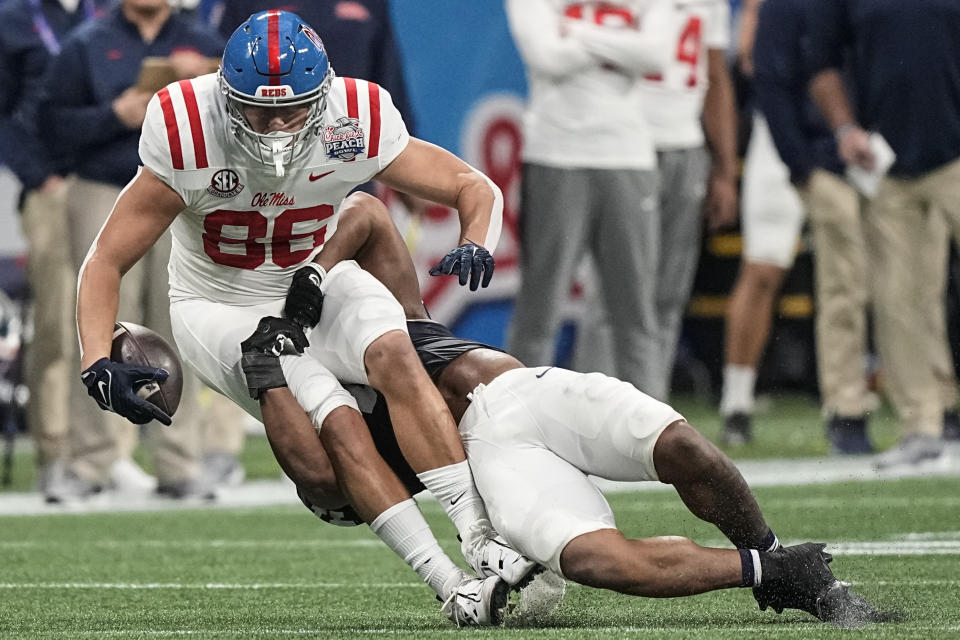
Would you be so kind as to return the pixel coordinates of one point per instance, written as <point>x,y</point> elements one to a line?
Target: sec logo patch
<point>225,184</point>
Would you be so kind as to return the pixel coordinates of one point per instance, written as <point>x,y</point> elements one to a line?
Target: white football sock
<point>738,385</point>
<point>453,487</point>
<point>404,530</point>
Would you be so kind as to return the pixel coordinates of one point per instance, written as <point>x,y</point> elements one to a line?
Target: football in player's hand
<point>138,345</point>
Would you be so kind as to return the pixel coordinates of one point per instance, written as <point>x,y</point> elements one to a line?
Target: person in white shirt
<point>589,174</point>
<point>693,96</point>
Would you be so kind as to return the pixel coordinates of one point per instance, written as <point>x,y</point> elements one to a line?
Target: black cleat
<point>794,578</point>
<point>848,436</point>
<point>838,605</point>
<point>737,429</point>
<point>951,425</point>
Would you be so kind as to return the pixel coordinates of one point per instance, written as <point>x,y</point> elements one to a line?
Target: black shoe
<point>951,425</point>
<point>794,578</point>
<point>186,490</point>
<point>838,605</point>
<point>737,429</point>
<point>848,436</point>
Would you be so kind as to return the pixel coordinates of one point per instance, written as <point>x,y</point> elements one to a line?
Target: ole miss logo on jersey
<point>225,184</point>
<point>343,140</point>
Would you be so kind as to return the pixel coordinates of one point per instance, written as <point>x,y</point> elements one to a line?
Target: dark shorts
<point>437,348</point>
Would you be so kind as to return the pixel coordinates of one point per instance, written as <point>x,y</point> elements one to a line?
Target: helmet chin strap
<point>278,147</point>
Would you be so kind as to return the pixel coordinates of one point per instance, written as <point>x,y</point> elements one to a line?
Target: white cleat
<point>477,602</point>
<point>490,555</point>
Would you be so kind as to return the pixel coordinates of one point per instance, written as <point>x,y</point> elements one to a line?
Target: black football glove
<point>114,386</point>
<point>304,298</point>
<point>260,353</point>
<point>470,261</point>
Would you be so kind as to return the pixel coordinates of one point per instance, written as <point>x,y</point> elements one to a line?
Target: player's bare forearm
<point>831,97</point>
<point>97,300</point>
<point>297,448</point>
<point>720,117</point>
<point>354,230</point>
<point>720,126</point>
<point>748,33</point>
<point>366,233</point>
<point>480,206</point>
<point>144,210</point>
<point>429,172</point>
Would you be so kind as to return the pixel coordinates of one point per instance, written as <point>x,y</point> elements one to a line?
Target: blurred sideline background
<point>467,88</point>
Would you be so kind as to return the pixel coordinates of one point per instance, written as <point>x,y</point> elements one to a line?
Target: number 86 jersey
<point>244,230</point>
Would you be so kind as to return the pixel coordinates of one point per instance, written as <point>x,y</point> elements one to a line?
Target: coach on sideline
<point>807,146</point>
<point>906,68</point>
<point>93,112</point>
<point>30,35</point>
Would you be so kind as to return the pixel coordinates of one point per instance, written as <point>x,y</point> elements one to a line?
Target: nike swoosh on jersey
<point>314,178</point>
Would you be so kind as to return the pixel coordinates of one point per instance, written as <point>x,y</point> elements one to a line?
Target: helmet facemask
<point>278,148</point>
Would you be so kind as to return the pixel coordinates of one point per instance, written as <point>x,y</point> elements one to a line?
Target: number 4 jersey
<point>244,231</point>
<point>673,100</point>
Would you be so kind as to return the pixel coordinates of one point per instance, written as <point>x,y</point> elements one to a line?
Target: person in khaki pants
<point>31,32</point>
<point>841,225</point>
<point>94,110</point>
<point>900,221</point>
<point>909,95</point>
<point>49,375</point>
<point>98,439</point>
<point>835,210</point>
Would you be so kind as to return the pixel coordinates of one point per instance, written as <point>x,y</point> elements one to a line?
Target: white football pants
<point>357,310</point>
<point>533,435</point>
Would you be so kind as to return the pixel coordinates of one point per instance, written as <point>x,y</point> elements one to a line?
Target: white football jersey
<point>244,230</point>
<point>673,100</point>
<point>584,62</point>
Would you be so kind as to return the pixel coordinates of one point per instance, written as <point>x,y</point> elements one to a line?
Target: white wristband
<point>320,270</point>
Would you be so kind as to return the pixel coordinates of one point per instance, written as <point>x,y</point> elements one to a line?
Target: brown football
<point>138,345</point>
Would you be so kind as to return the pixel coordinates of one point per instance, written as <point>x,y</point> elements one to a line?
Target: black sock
<point>770,542</point>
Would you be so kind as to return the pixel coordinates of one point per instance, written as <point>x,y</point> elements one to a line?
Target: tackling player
<point>533,435</point>
<point>248,167</point>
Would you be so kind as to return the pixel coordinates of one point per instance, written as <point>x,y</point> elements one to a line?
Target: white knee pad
<point>357,309</point>
<point>315,388</point>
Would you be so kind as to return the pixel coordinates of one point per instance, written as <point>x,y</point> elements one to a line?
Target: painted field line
<point>932,535</point>
<point>904,548</point>
<point>899,546</point>
<point>525,632</point>
<point>198,544</point>
<point>816,503</point>
<point>261,493</point>
<point>255,586</point>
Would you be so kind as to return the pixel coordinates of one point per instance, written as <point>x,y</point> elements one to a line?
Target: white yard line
<point>259,586</point>
<point>254,586</point>
<point>779,630</point>
<point>758,473</point>
<point>897,545</point>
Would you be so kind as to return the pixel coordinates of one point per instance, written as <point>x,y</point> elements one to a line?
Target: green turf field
<point>279,572</point>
